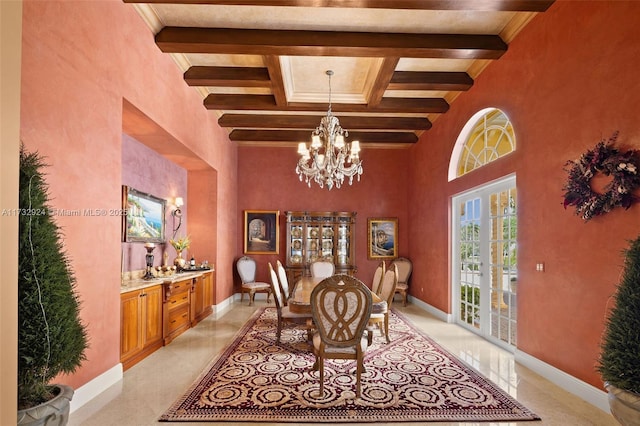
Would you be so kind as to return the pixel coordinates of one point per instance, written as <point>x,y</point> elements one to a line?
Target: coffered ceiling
<point>260,65</point>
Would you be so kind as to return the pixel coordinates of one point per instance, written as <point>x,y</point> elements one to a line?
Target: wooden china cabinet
<point>315,236</point>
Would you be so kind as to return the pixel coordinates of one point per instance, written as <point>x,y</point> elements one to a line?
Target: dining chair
<point>284,282</point>
<point>341,308</point>
<point>322,269</point>
<point>246,267</point>
<point>404,273</point>
<point>284,314</point>
<point>387,291</point>
<point>377,277</point>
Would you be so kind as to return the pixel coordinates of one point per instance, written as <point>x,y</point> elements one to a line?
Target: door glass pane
<point>503,266</point>
<point>470,262</point>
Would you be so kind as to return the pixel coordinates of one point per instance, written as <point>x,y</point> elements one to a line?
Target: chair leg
<point>404,298</point>
<point>241,295</point>
<point>321,368</point>
<point>386,326</point>
<point>359,370</point>
<point>252,295</point>
<point>279,331</point>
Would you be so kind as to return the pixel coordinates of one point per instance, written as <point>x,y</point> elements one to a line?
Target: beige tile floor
<point>151,386</point>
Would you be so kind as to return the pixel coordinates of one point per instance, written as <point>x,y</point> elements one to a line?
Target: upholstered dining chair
<point>386,293</point>
<point>322,269</point>
<point>246,267</point>
<point>284,314</point>
<point>341,308</point>
<point>377,277</point>
<point>284,282</point>
<point>404,273</point>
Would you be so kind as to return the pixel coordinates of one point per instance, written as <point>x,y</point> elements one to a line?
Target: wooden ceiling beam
<point>412,80</point>
<point>488,5</point>
<point>382,80</point>
<point>227,76</point>
<point>302,136</point>
<point>268,103</point>
<point>328,43</point>
<point>310,122</point>
<point>277,82</point>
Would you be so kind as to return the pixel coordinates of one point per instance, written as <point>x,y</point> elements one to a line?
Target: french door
<point>484,261</point>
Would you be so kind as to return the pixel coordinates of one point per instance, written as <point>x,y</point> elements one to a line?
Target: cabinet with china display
<point>313,236</point>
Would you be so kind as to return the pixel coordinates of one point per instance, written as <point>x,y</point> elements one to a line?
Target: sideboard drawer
<point>178,318</point>
<point>177,300</point>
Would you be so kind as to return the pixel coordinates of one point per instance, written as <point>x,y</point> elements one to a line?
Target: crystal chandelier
<point>328,159</point>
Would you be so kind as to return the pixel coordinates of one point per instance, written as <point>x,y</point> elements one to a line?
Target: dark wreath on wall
<point>622,167</point>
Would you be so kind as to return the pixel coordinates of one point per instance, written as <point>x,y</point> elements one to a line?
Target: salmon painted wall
<point>267,180</point>
<point>80,74</point>
<point>145,170</point>
<point>568,80</point>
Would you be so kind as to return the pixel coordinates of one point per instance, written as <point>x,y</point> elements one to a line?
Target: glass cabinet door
<point>343,245</point>
<point>313,243</point>
<point>295,252</point>
<point>327,243</point>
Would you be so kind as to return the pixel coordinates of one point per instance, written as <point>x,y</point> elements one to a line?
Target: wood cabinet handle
<point>173,321</point>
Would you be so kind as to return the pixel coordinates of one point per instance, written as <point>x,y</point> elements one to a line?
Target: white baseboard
<point>96,386</point>
<point>589,393</point>
<point>442,316</point>
<point>221,308</point>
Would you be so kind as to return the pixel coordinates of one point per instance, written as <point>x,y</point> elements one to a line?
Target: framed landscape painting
<point>382,238</point>
<point>261,231</point>
<point>143,217</point>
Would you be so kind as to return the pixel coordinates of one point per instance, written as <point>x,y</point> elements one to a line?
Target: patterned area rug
<point>412,379</point>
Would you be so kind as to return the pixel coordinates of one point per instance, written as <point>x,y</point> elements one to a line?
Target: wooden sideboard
<point>164,308</point>
<point>141,324</point>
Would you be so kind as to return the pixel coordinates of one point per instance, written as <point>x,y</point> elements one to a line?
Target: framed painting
<point>261,231</point>
<point>382,238</point>
<point>143,218</point>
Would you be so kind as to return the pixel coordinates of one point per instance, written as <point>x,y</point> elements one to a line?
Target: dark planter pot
<point>51,413</point>
<point>625,406</point>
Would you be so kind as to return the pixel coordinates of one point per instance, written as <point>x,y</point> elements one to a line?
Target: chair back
<point>377,277</point>
<point>404,269</point>
<point>322,269</point>
<point>246,267</point>
<point>341,308</point>
<point>275,288</point>
<point>284,282</point>
<point>388,285</point>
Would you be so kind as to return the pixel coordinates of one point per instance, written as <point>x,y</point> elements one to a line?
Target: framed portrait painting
<point>382,238</point>
<point>261,231</point>
<point>144,218</point>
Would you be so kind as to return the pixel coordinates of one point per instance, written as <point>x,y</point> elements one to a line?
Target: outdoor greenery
<point>619,362</point>
<point>51,337</point>
<point>469,303</point>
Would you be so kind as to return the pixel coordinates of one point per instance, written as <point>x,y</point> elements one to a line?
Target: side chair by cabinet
<point>246,267</point>
<point>404,273</point>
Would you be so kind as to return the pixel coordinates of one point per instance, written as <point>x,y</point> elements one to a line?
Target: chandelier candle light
<point>328,159</point>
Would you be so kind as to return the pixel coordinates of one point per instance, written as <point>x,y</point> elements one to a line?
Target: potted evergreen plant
<point>51,337</point>
<point>619,363</point>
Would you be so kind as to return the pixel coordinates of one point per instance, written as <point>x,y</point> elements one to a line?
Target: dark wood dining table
<point>300,300</point>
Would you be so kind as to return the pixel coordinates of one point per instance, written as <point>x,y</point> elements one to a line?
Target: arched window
<point>487,136</point>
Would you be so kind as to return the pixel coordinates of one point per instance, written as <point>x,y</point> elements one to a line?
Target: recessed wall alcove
<point>187,176</point>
